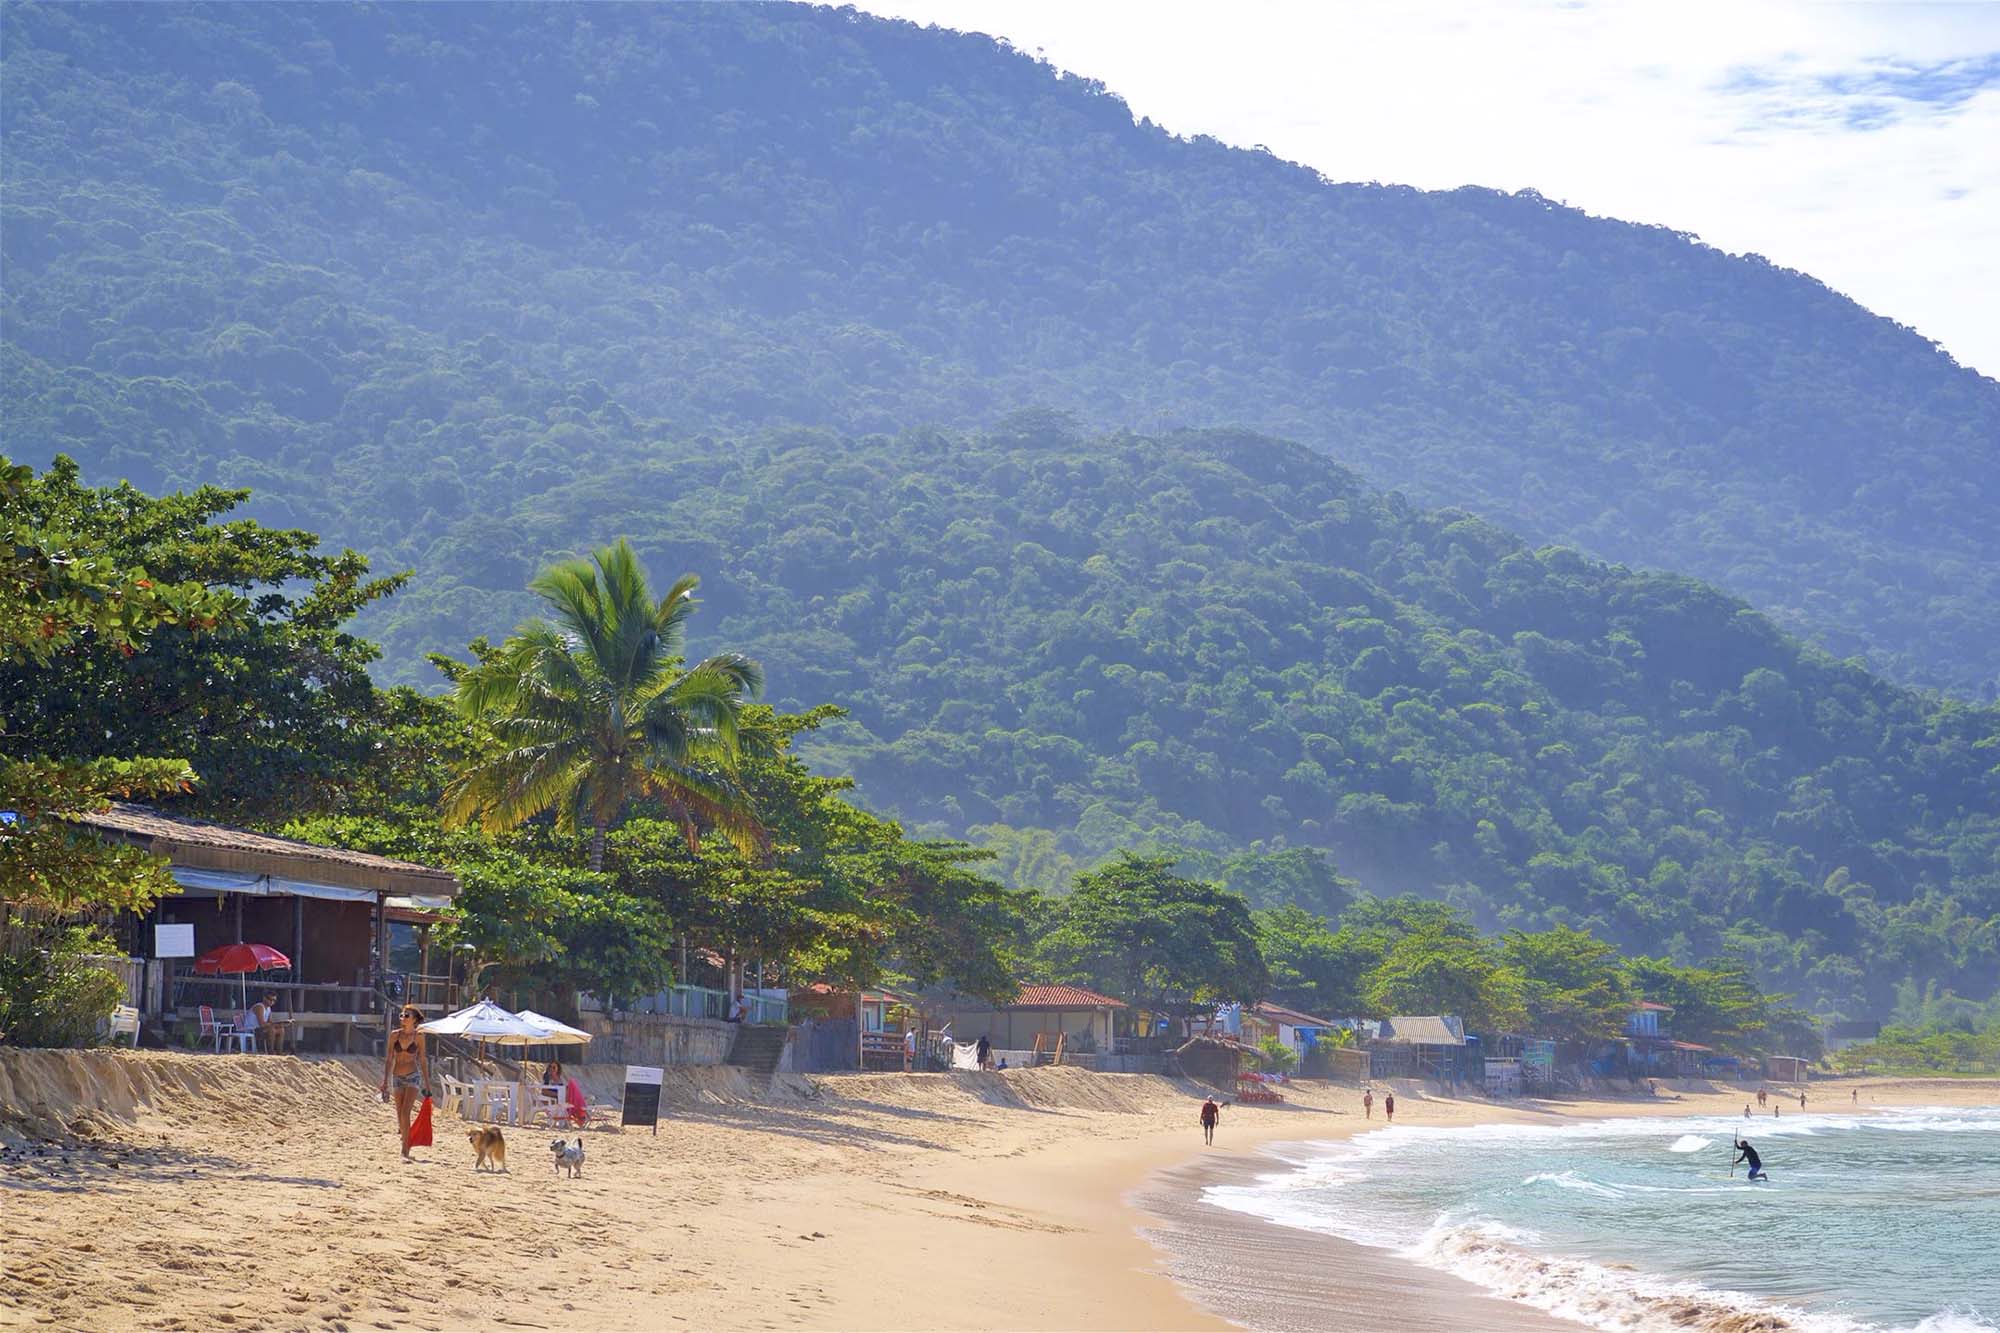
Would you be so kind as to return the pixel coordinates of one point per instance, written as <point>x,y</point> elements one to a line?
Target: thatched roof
<point>198,844</point>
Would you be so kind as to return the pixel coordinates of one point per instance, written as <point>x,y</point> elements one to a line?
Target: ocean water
<point>1885,1220</point>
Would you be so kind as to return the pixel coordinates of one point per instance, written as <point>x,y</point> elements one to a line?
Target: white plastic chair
<point>457,1094</point>
<point>546,1102</point>
<point>496,1102</point>
<point>210,1030</point>
<point>125,1019</point>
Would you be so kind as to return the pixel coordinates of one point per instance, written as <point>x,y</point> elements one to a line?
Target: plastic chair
<point>210,1030</point>
<point>546,1103</point>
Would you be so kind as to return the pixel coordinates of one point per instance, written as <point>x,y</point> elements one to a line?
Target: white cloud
<point>1859,143</point>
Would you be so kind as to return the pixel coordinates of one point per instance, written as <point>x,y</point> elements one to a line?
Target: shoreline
<point>1261,1275</point>
<point>1266,1276</point>
<point>132,1187</point>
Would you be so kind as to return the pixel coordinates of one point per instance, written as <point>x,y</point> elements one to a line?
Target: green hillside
<point>1213,641</point>
<point>405,269</point>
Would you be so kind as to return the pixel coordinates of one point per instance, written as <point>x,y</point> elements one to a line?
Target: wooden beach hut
<point>334,912</point>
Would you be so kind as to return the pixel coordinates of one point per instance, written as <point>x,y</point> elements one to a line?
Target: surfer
<point>1746,1153</point>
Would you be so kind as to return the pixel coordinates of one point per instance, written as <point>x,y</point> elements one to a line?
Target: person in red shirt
<point>1210,1113</point>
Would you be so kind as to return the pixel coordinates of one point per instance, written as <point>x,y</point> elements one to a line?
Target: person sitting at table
<point>553,1075</point>
<point>257,1021</point>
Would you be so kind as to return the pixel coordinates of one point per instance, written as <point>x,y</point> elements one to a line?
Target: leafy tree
<point>1136,930</point>
<point>1571,983</point>
<point>1715,1003</point>
<point>594,709</point>
<point>1433,972</point>
<point>59,598</point>
<point>247,671</point>
<point>1313,967</point>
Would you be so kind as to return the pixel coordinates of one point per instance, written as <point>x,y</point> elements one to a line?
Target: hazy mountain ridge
<point>1065,645</point>
<point>401,268</point>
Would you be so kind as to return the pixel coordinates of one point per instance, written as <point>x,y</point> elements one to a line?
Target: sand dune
<point>167,1191</point>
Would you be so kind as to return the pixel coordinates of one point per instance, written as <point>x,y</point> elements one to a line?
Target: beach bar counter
<point>353,927</point>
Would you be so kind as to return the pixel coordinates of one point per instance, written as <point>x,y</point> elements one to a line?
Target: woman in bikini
<point>409,1064</point>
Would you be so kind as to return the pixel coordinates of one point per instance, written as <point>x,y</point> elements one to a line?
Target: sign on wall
<point>173,941</point>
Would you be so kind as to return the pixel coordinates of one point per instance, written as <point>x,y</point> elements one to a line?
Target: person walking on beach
<point>1389,1106</point>
<point>985,1052</point>
<point>1761,1095</point>
<point>1368,1104</point>
<point>1746,1153</point>
<point>1802,1101</point>
<point>1855,1093</point>
<point>1210,1113</point>
<point>409,1064</point>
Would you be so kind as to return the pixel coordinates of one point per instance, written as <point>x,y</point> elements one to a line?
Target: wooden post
<point>1061,1037</point>
<point>239,916</point>
<point>298,945</point>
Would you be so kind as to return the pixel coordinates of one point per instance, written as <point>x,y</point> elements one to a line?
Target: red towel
<point>420,1128</point>
<point>579,1109</point>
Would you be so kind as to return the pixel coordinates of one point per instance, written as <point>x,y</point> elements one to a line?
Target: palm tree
<point>593,709</point>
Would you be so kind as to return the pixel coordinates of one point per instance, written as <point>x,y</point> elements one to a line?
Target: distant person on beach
<point>1368,1104</point>
<point>1802,1101</point>
<point>985,1052</point>
<point>1855,1093</point>
<point>1389,1106</point>
<point>1746,1110</point>
<point>1746,1153</point>
<point>739,1010</point>
<point>1210,1113</point>
<point>409,1065</point>
<point>553,1072</point>
<point>1761,1096</point>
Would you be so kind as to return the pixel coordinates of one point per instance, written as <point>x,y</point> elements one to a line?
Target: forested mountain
<point>404,269</point>
<point>1212,641</point>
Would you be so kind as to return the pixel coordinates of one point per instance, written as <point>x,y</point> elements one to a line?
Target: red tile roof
<point>1656,1008</point>
<point>1062,997</point>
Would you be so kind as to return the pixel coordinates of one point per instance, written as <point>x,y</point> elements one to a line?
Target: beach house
<point>353,928</point>
<point>1298,1032</point>
<point>1650,1049</point>
<point>1418,1046</point>
<point>1039,1021</point>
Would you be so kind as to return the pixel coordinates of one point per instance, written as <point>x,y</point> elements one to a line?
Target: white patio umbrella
<point>487,1021</point>
<point>555,1033</point>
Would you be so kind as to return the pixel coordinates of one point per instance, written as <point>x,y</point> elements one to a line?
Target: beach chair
<point>211,1031</point>
<point>457,1095</point>
<point>125,1019</point>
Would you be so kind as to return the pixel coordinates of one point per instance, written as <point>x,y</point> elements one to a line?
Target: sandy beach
<point>166,1191</point>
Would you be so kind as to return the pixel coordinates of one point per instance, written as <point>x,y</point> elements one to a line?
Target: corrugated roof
<point>1424,1030</point>
<point>1062,997</point>
<point>202,845</point>
<point>1279,1013</point>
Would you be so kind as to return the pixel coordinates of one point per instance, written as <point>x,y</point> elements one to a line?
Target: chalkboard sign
<point>642,1096</point>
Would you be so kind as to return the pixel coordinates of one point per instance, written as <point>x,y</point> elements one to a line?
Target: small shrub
<point>1276,1056</point>
<point>52,991</point>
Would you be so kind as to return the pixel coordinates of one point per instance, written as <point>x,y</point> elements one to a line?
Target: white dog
<point>568,1157</point>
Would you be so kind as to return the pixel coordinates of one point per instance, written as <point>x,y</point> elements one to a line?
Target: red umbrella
<point>236,959</point>
<point>233,958</point>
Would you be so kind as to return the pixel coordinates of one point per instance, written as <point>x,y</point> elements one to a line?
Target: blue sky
<point>1857,142</point>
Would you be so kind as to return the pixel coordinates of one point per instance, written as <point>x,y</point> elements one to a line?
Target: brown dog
<point>488,1147</point>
